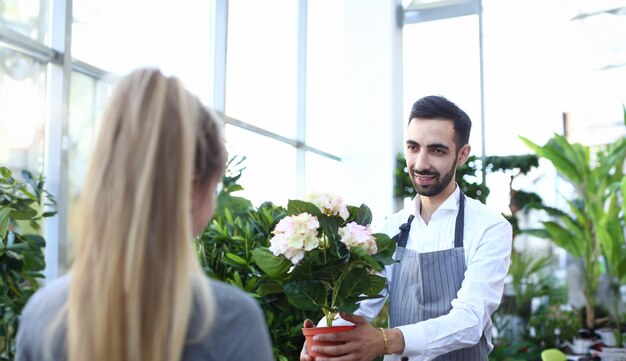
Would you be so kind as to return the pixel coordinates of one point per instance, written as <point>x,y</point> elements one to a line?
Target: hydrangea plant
<point>324,256</point>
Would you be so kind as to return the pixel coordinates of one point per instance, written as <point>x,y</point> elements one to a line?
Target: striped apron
<point>423,286</point>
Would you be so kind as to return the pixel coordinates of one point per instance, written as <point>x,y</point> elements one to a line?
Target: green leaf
<point>233,204</point>
<point>349,307</point>
<point>554,154</point>
<point>311,267</point>
<point>359,253</point>
<point>23,213</point>
<point>623,188</point>
<point>364,216</point>
<point>306,295</point>
<point>295,207</point>
<point>330,226</point>
<point>562,238</point>
<point>236,280</point>
<point>377,283</point>
<point>34,240</point>
<point>237,259</point>
<point>18,247</point>
<point>386,248</point>
<point>354,283</point>
<point>4,221</point>
<point>537,232</point>
<point>6,173</point>
<point>273,266</point>
<point>353,211</point>
<point>269,288</point>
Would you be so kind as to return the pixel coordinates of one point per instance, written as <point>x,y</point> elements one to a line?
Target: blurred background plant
<point>23,205</point>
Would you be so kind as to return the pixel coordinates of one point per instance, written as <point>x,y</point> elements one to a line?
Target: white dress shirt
<point>487,243</point>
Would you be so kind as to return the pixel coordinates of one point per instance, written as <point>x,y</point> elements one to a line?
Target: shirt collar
<point>450,204</point>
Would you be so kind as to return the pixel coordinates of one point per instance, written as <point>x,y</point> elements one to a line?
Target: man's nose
<point>420,161</point>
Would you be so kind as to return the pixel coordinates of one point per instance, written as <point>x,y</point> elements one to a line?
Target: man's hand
<point>364,343</point>
<point>304,354</point>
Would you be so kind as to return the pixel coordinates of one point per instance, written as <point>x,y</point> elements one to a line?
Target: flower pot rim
<point>324,329</point>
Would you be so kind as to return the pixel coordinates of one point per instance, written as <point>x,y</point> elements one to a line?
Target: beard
<point>435,188</point>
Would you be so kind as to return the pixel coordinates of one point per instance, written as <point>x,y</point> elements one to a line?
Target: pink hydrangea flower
<point>295,235</point>
<point>330,204</point>
<point>354,234</point>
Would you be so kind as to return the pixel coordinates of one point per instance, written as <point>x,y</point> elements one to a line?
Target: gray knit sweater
<point>242,333</point>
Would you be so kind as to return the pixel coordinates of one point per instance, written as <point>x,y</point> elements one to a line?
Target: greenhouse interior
<point>315,101</point>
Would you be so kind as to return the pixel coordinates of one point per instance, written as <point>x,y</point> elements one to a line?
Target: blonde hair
<point>135,278</point>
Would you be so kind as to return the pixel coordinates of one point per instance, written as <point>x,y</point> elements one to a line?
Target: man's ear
<point>463,154</point>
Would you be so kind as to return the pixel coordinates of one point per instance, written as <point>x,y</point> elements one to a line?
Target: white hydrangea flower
<point>295,235</point>
<point>330,204</point>
<point>354,234</point>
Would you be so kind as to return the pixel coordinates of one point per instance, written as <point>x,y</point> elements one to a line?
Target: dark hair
<point>438,107</point>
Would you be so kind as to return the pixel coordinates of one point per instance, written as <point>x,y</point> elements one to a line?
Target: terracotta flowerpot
<point>312,331</point>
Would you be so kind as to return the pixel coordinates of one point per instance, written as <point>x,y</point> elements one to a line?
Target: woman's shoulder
<point>238,317</point>
<point>231,298</point>
<point>38,315</point>
<point>48,298</point>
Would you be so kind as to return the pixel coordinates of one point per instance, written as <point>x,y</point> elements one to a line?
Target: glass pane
<point>270,173</point>
<point>87,96</point>
<point>26,17</point>
<point>22,111</point>
<point>120,35</point>
<point>324,175</point>
<point>261,72</point>
<point>529,72</point>
<point>325,78</point>
<point>442,58</point>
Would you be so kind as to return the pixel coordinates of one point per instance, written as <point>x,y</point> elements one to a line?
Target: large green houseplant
<point>590,229</point>
<point>22,204</point>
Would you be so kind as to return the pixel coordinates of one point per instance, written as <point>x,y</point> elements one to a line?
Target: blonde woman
<point>135,290</point>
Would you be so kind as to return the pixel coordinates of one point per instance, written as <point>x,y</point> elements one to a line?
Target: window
<point>442,58</point>
<point>22,111</point>
<point>325,77</point>
<point>270,173</point>
<point>28,18</point>
<point>284,82</point>
<point>262,58</point>
<point>173,35</point>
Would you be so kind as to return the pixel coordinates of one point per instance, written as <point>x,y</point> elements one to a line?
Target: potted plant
<point>323,256</point>
<point>21,248</point>
<point>591,231</point>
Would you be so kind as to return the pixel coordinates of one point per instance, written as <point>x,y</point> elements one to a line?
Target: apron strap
<point>460,221</point>
<point>402,237</point>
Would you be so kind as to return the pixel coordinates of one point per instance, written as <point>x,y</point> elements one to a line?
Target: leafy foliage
<point>528,281</point>
<point>553,323</point>
<point>591,227</point>
<point>225,251</point>
<point>21,248</point>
